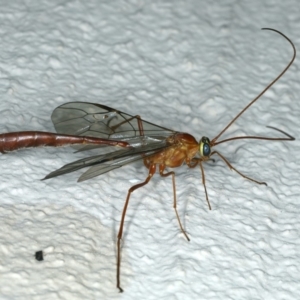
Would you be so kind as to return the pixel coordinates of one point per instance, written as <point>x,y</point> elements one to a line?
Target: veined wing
<point>96,120</point>
<point>91,119</point>
<point>100,164</point>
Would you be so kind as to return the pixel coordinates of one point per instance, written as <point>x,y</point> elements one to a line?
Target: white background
<point>186,65</point>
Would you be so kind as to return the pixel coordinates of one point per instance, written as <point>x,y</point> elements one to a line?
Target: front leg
<point>233,168</point>
<point>192,163</point>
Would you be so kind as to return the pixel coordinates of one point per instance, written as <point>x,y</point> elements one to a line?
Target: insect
<point>125,139</point>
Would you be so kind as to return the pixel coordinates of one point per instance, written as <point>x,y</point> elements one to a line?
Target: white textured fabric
<point>186,65</point>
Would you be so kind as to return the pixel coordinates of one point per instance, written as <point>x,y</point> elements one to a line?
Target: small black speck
<point>39,255</point>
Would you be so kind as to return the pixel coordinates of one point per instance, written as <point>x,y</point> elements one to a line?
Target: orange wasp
<point>94,125</point>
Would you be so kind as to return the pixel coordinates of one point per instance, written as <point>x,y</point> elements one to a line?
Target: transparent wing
<point>96,120</point>
<point>103,163</point>
<point>91,119</point>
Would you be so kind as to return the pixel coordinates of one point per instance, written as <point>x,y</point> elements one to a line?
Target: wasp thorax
<point>204,146</point>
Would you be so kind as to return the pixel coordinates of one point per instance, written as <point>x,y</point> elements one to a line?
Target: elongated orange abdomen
<point>25,139</point>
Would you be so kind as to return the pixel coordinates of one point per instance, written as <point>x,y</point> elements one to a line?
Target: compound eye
<point>206,150</point>
<point>204,147</point>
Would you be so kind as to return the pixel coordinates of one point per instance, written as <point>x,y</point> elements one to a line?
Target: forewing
<point>91,119</point>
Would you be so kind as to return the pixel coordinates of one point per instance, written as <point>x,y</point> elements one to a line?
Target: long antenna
<point>288,138</point>
<point>213,142</point>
